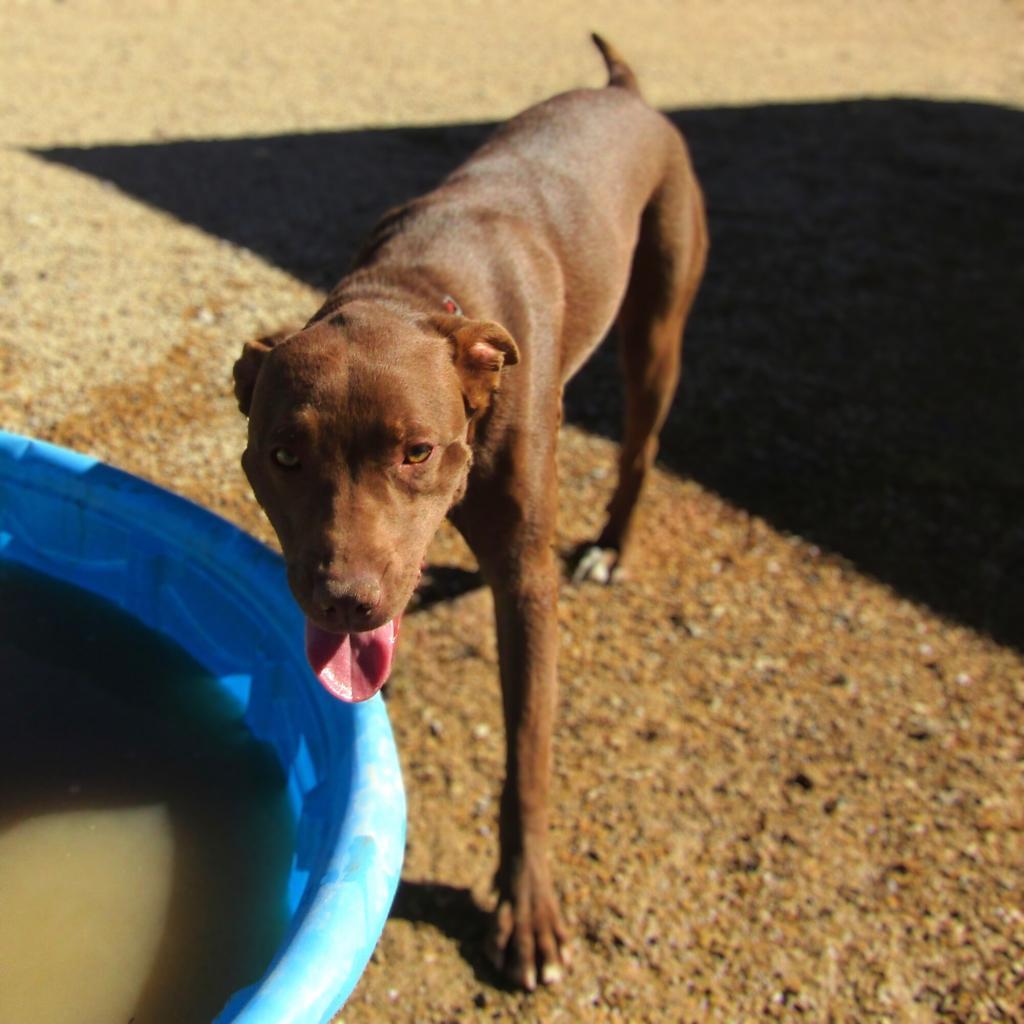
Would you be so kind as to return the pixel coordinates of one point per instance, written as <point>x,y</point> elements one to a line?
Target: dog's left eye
<point>417,453</point>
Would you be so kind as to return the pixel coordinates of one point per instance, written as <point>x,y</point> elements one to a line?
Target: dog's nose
<point>349,601</point>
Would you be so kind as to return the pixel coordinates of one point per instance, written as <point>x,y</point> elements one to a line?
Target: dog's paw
<point>595,564</point>
<point>528,942</point>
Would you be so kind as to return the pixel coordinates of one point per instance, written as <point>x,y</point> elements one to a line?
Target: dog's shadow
<point>454,912</point>
<point>443,583</point>
<point>853,368</point>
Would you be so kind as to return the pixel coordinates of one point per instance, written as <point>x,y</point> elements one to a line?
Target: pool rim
<point>160,557</point>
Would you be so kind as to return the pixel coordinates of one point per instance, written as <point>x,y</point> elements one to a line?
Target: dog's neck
<point>416,293</point>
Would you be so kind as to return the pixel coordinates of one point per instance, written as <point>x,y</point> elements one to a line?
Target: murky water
<point>144,833</point>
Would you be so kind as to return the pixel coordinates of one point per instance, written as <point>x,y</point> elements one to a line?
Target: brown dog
<point>430,384</point>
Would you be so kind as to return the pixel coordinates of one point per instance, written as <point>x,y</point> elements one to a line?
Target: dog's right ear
<point>247,367</point>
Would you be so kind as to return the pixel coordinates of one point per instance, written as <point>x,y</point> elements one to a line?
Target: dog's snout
<point>347,601</point>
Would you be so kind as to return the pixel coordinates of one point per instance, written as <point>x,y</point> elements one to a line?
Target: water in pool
<point>145,835</point>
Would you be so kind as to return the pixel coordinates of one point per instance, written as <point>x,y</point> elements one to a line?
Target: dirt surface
<point>790,771</point>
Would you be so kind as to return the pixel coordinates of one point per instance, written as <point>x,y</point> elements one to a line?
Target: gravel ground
<point>790,776</point>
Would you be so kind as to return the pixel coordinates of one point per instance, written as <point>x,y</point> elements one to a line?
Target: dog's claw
<point>551,974</point>
<point>529,948</point>
<point>598,565</point>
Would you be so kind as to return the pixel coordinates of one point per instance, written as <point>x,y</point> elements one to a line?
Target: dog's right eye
<point>285,458</point>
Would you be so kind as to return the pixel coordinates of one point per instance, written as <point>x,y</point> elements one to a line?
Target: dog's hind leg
<point>667,267</point>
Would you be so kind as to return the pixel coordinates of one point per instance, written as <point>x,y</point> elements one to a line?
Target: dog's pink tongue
<point>351,666</point>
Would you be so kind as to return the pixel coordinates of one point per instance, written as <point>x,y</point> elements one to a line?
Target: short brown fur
<point>579,212</point>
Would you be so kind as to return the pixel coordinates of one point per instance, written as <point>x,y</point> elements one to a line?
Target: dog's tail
<point>619,72</point>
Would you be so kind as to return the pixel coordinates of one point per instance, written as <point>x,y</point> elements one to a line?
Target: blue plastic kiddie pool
<point>222,597</point>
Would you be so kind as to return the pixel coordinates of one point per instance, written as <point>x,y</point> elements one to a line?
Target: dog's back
<point>545,216</point>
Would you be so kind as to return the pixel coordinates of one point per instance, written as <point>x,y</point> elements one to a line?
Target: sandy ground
<point>789,767</point>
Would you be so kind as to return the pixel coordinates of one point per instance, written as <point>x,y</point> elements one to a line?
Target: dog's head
<point>357,448</point>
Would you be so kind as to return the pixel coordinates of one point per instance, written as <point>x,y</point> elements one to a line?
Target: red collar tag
<point>451,306</point>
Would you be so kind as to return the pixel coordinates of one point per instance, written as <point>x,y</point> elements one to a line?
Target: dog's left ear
<point>481,349</point>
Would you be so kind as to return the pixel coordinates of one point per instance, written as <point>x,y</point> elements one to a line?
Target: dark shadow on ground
<point>443,583</point>
<point>455,913</point>
<point>855,363</point>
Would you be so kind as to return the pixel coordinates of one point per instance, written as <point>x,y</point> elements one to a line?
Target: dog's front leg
<point>528,932</point>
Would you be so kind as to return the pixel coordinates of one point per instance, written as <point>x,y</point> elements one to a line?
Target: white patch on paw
<point>596,565</point>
